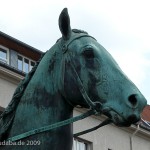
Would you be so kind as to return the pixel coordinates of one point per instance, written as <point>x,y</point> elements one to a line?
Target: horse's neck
<point>39,108</point>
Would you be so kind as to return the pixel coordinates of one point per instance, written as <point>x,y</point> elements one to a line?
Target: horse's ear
<point>64,24</point>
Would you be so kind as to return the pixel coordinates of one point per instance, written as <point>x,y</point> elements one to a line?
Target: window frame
<point>89,145</point>
<point>7,54</point>
<point>23,63</point>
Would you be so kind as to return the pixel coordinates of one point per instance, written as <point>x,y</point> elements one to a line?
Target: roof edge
<point>20,42</point>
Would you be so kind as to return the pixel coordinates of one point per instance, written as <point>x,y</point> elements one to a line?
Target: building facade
<point>18,58</point>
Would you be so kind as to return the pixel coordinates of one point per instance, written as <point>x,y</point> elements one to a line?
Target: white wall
<point>6,91</point>
<point>8,83</point>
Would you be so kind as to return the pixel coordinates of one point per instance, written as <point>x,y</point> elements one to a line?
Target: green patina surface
<point>51,90</point>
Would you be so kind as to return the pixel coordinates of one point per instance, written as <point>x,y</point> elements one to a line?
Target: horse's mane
<point>79,31</point>
<point>7,116</point>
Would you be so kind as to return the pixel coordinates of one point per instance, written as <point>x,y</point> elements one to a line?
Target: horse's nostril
<point>133,100</point>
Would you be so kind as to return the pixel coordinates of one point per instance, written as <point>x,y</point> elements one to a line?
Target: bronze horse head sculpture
<point>77,70</point>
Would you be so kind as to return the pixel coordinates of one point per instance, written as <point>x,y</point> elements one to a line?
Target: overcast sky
<point>121,26</point>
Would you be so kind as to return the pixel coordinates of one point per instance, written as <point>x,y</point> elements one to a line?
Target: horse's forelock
<point>74,31</point>
<point>79,31</point>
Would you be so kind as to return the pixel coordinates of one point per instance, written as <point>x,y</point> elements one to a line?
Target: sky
<point>121,26</point>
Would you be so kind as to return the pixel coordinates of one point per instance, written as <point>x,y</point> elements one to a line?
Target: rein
<point>50,127</point>
<point>94,106</point>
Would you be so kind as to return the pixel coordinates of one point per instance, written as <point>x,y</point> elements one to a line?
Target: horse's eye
<point>88,53</point>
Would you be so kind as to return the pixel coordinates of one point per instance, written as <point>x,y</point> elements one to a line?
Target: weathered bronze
<point>77,70</point>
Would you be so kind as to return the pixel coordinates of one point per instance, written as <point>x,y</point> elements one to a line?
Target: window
<point>20,63</point>
<point>32,65</point>
<point>25,64</point>
<point>4,54</point>
<point>80,144</point>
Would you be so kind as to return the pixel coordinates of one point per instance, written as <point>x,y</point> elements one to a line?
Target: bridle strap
<point>105,122</point>
<point>65,44</point>
<point>95,106</point>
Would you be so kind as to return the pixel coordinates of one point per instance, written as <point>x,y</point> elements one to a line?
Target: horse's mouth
<point>118,119</point>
